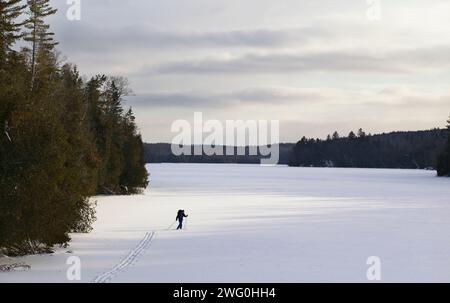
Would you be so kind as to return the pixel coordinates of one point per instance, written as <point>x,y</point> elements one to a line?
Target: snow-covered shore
<point>249,223</point>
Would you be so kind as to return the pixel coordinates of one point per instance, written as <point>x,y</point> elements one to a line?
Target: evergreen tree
<point>134,175</point>
<point>361,133</point>
<point>82,159</point>
<point>38,34</point>
<point>10,32</point>
<point>111,146</point>
<point>351,135</point>
<point>443,163</point>
<point>10,28</point>
<point>336,135</point>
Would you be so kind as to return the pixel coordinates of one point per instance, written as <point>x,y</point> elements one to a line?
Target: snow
<point>251,223</point>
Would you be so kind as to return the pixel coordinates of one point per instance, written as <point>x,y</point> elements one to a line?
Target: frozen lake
<point>250,223</point>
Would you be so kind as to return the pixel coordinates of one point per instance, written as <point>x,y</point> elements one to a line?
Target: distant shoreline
<point>412,150</point>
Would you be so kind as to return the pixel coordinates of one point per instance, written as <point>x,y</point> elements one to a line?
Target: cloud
<point>263,95</point>
<point>401,97</point>
<point>389,98</point>
<point>95,39</point>
<point>396,62</point>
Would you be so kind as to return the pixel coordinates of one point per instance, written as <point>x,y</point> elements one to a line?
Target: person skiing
<point>180,217</point>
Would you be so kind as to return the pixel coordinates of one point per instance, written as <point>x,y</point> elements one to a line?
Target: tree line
<point>410,150</point>
<point>62,139</point>
<point>419,149</point>
<point>162,153</point>
<point>443,162</point>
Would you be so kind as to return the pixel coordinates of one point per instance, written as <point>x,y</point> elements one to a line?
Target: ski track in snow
<point>128,260</point>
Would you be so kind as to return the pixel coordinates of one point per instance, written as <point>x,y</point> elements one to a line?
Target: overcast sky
<point>315,65</point>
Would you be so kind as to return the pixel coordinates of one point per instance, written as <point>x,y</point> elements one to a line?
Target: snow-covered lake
<point>250,223</point>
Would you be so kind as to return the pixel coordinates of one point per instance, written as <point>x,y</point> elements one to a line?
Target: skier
<point>180,217</point>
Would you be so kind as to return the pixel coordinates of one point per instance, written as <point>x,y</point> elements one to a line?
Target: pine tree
<point>351,135</point>
<point>38,34</point>
<point>10,32</point>
<point>361,133</point>
<point>111,147</point>
<point>10,28</point>
<point>134,175</point>
<point>82,159</point>
<point>336,135</point>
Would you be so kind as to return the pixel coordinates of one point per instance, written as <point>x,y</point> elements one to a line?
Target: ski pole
<point>170,227</point>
